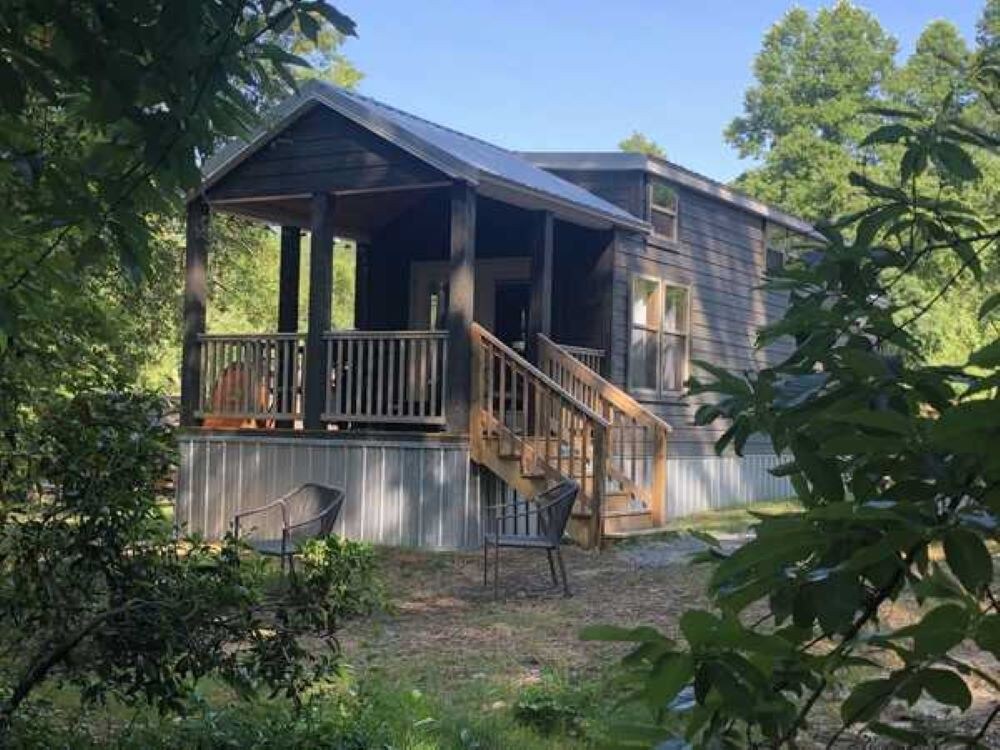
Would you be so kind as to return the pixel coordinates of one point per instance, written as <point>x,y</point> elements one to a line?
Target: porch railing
<point>250,377</point>
<point>592,358</point>
<point>386,376</point>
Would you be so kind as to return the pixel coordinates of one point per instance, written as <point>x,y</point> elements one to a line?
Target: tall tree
<point>640,143</point>
<point>815,77</point>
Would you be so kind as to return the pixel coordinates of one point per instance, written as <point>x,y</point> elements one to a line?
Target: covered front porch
<point>430,260</point>
<point>447,231</point>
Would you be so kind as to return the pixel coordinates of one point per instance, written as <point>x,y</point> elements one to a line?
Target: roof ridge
<point>439,126</point>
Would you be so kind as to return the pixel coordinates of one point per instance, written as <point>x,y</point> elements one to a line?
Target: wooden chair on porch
<point>540,524</point>
<point>276,528</point>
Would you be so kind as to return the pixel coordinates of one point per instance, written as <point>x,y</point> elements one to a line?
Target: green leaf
<point>889,421</point>
<point>956,160</point>
<point>892,133</point>
<point>987,356</point>
<point>946,687</point>
<point>867,700</point>
<point>938,631</point>
<point>968,559</point>
<point>668,676</point>
<point>642,634</point>
<point>913,163</point>
<point>988,634</point>
<point>992,303</point>
<point>899,734</point>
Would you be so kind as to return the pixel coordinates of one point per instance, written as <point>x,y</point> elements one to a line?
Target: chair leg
<point>552,568</point>
<point>486,559</point>
<point>562,569</point>
<point>496,570</point>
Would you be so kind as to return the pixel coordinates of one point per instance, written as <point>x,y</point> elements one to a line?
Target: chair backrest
<point>313,510</point>
<point>555,508</point>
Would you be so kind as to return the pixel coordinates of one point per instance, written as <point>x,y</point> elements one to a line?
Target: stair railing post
<point>476,395</point>
<point>599,486</point>
<point>659,489</point>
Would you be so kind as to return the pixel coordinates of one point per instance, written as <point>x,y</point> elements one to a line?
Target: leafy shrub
<point>893,460</point>
<point>95,589</point>
<point>551,706</point>
<point>343,571</point>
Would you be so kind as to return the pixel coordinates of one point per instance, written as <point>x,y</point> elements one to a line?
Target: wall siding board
<point>386,481</point>
<point>700,484</point>
<point>322,151</point>
<point>719,255</point>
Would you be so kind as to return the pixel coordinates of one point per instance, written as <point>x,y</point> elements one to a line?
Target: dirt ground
<point>447,634</point>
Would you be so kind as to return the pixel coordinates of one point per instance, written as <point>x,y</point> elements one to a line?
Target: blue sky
<point>563,75</point>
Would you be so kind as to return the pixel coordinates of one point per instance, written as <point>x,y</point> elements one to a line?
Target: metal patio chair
<point>307,512</point>
<point>544,521</point>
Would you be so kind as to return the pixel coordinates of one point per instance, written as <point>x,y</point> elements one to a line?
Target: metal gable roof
<point>456,154</point>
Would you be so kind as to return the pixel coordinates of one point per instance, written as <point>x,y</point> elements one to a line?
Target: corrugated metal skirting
<point>703,483</point>
<point>407,493</point>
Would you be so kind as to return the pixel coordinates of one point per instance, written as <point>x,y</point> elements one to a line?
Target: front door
<point>510,316</point>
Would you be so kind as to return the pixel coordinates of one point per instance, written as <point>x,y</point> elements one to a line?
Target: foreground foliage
<point>895,462</point>
<point>96,590</point>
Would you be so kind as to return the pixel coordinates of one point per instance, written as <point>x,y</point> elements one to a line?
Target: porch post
<point>195,292</point>
<point>461,289</point>
<point>288,320</point>
<point>288,280</point>
<point>320,292</point>
<point>540,311</point>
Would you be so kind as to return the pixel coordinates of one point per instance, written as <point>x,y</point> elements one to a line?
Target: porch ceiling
<point>356,215</point>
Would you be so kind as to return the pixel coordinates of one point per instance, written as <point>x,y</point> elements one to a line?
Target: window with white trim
<point>659,336</point>
<point>782,243</point>
<point>663,209</point>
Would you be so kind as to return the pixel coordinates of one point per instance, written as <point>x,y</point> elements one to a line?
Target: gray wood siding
<point>322,151</point>
<point>410,493</point>
<point>625,189</point>
<point>719,254</point>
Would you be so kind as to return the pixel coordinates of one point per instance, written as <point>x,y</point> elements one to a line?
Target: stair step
<point>621,501</point>
<point>626,521</point>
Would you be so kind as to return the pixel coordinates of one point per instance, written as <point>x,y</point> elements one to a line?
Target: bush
<point>551,706</point>
<point>95,590</point>
<point>342,570</point>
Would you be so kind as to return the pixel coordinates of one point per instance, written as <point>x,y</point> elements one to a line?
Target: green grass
<point>557,711</point>
<point>731,520</point>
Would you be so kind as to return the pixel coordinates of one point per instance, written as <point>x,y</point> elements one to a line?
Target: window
<point>782,243</point>
<point>663,210</point>
<point>778,243</point>
<point>658,349</point>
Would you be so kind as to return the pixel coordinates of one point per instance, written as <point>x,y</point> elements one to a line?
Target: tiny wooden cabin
<point>519,319</point>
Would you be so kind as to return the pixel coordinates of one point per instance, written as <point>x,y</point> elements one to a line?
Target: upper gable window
<point>782,243</point>
<point>663,209</point>
<point>778,244</point>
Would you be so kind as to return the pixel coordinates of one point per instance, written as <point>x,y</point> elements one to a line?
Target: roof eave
<point>309,96</point>
<point>564,208</point>
<point>625,161</point>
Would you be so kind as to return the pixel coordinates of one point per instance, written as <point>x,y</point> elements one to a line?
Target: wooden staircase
<point>535,426</point>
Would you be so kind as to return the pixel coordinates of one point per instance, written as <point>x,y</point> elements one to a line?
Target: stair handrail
<point>605,389</point>
<point>479,331</point>
<point>610,395</point>
<point>601,425</point>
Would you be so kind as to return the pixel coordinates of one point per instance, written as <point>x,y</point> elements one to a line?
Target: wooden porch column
<point>195,293</point>
<point>288,280</point>
<point>461,289</point>
<point>540,310</point>
<point>320,304</point>
<point>288,317</point>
